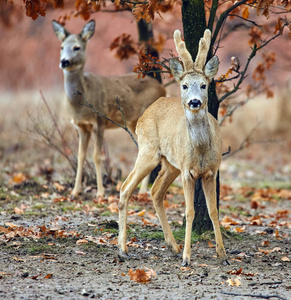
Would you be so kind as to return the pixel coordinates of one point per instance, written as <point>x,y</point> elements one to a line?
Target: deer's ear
<point>211,67</point>
<point>60,31</point>
<point>88,31</point>
<point>176,68</point>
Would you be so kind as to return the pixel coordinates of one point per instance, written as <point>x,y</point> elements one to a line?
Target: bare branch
<point>251,56</point>
<point>223,17</point>
<point>246,20</point>
<point>246,142</point>
<point>89,105</point>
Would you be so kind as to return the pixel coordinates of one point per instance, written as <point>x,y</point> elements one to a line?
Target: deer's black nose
<point>65,63</point>
<point>194,103</point>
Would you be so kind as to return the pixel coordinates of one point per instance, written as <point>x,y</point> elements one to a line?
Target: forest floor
<point>52,247</point>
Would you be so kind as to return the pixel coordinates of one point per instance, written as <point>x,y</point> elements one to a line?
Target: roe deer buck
<point>180,134</point>
<point>135,95</point>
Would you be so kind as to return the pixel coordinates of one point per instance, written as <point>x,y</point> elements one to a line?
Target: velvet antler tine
<point>204,45</point>
<point>182,51</point>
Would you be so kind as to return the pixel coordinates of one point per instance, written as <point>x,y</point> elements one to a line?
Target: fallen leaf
<point>228,221</point>
<point>48,276</point>
<point>17,178</point>
<point>265,243</point>
<point>82,241</point>
<point>239,229</point>
<point>59,187</point>
<point>18,259</point>
<point>113,207</point>
<point>210,245</point>
<point>141,213</point>
<point>285,258</point>
<point>141,276</point>
<point>235,282</point>
<point>18,211</point>
<point>11,225</point>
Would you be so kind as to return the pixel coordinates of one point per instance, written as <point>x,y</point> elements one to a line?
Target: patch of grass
<point>38,206</point>
<point>71,208</point>
<point>230,234</point>
<point>106,214</point>
<point>152,235</point>
<point>37,248</point>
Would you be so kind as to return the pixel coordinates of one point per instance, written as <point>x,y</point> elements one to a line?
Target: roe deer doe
<point>135,95</point>
<point>180,134</point>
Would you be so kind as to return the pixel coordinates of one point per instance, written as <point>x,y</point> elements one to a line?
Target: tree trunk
<point>146,35</point>
<point>194,25</point>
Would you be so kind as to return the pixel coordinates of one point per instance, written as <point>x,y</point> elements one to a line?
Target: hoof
<point>223,260</point>
<point>123,256</point>
<point>100,193</point>
<point>186,263</point>
<point>75,193</point>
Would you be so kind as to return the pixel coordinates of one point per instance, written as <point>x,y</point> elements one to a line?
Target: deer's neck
<point>74,82</point>
<point>198,129</point>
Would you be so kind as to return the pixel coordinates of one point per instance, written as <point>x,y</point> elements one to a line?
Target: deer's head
<point>73,48</point>
<point>194,77</point>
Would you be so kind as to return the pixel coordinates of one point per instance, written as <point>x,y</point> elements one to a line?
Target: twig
<point>222,18</point>
<point>49,141</point>
<point>89,105</point>
<point>254,295</point>
<point>250,21</point>
<point>227,152</point>
<point>267,283</point>
<point>231,110</point>
<point>53,119</point>
<point>242,75</point>
<point>245,142</point>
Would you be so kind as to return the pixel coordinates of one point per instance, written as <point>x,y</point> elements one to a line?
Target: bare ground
<point>75,255</point>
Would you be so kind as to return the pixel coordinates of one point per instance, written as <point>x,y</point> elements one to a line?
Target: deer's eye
<point>185,87</point>
<point>203,86</point>
<point>76,48</point>
<point>62,48</point>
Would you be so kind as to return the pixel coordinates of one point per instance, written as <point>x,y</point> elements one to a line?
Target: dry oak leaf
<point>245,13</point>
<point>17,178</point>
<point>210,245</point>
<point>141,276</point>
<point>82,241</point>
<point>59,187</point>
<point>256,36</point>
<point>113,207</point>
<point>235,282</point>
<point>228,221</point>
<point>285,258</point>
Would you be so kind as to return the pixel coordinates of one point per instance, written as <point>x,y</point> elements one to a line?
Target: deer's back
<point>134,95</point>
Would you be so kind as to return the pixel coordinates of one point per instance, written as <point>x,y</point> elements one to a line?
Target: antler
<point>201,57</point>
<point>183,52</point>
<point>204,45</point>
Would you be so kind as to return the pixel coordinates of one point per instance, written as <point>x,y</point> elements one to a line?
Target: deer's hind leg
<point>146,161</point>
<point>166,176</point>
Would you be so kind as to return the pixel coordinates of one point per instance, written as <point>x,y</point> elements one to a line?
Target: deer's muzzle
<point>65,63</point>
<point>194,104</point>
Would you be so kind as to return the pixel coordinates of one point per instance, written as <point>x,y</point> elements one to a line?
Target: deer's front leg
<point>146,161</point>
<point>188,185</point>
<point>84,137</point>
<point>99,133</point>
<point>209,187</point>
